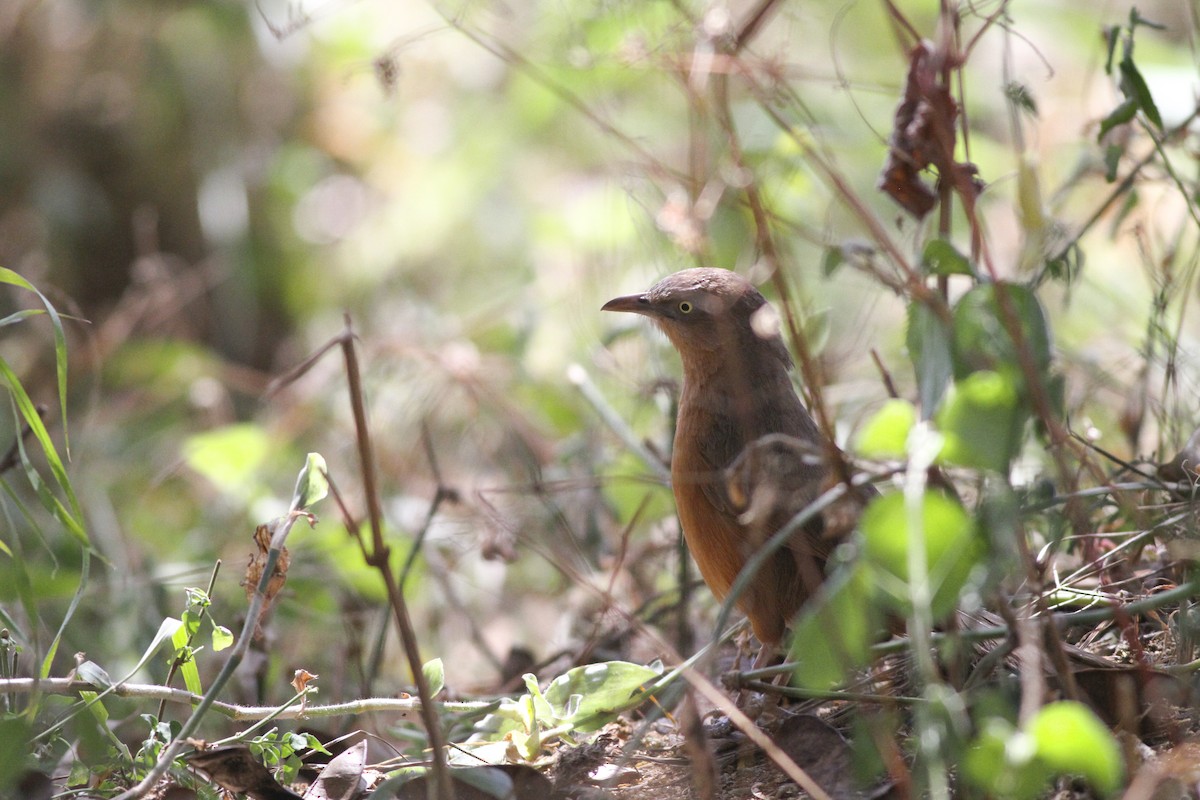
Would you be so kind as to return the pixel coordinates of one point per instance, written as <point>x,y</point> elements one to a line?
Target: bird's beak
<point>633,303</point>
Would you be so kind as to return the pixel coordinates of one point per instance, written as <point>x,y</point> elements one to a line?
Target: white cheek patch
<point>765,323</point>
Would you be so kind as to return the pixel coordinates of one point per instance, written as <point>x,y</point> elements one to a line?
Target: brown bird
<point>747,454</point>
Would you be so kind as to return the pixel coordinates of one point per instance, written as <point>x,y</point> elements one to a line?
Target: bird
<point>747,454</point>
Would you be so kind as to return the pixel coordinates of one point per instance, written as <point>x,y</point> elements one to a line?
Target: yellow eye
<point>685,307</point>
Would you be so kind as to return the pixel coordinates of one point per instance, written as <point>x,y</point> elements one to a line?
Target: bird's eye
<point>685,307</point>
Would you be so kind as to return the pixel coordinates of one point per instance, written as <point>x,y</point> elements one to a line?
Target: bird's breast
<point>714,536</point>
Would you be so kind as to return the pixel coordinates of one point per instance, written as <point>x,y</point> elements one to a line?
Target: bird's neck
<point>734,380</point>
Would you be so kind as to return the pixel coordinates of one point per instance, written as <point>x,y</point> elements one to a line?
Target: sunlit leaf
<point>180,640</point>
<point>885,434</point>
<point>983,422</point>
<point>60,350</point>
<point>591,695</point>
<point>1071,740</point>
<point>229,457</point>
<point>951,546</point>
<point>312,485</point>
<point>435,675</point>
<point>222,638</point>
<point>72,517</point>
<point>1001,762</point>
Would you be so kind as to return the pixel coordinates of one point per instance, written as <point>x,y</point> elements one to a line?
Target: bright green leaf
<point>983,421</point>
<point>312,485</point>
<point>951,546</point>
<point>72,518</point>
<point>229,457</point>
<point>435,676</point>
<point>591,695</point>
<point>885,435</point>
<point>1071,740</point>
<point>180,640</point>
<point>222,638</point>
<point>538,707</point>
<point>1001,762</point>
<point>60,358</point>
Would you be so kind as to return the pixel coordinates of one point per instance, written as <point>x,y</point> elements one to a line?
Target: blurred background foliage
<point>207,187</point>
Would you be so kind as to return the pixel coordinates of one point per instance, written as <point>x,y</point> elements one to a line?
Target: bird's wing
<point>717,451</point>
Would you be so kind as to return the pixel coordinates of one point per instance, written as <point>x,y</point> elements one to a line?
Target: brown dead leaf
<point>924,135</point>
<point>254,572</point>
<point>342,778</point>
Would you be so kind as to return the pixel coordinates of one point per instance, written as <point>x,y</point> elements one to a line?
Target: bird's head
<point>710,314</point>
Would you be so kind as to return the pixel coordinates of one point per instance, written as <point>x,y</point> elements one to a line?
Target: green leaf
<point>590,696</point>
<point>229,457</point>
<point>1135,88</point>
<point>942,258</point>
<point>15,731</point>
<point>19,316</point>
<point>1001,762</point>
<point>1112,161</point>
<point>834,632</point>
<point>60,353</point>
<point>181,640</point>
<point>952,547</point>
<point>981,336</point>
<point>1019,95</point>
<point>1120,115</point>
<point>435,676</point>
<point>886,433</point>
<point>222,638</point>
<point>100,714</point>
<point>1068,264</point>
<point>527,741</point>
<point>52,650</point>
<point>983,421</point>
<point>831,261</point>
<point>929,344</point>
<point>312,485</point>
<point>538,708</point>
<point>71,519</point>
<point>1071,740</point>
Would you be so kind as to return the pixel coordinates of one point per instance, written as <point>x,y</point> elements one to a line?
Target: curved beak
<point>633,303</point>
